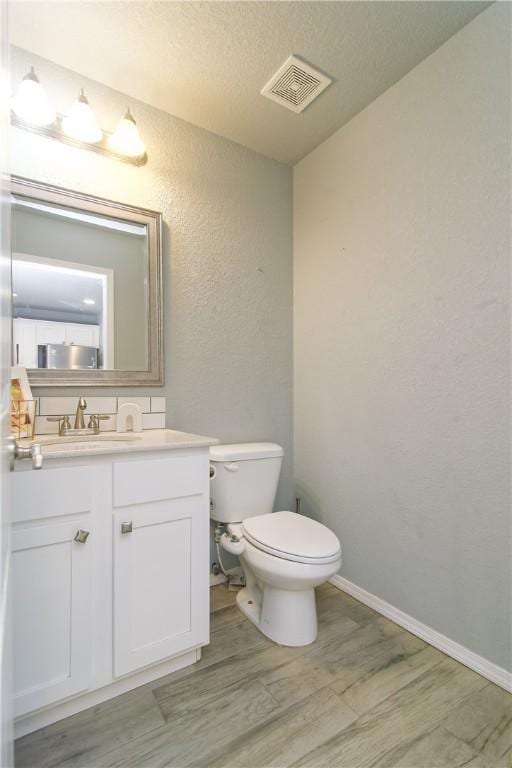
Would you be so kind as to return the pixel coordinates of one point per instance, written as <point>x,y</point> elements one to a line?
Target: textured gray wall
<point>227,260</point>
<point>401,288</point>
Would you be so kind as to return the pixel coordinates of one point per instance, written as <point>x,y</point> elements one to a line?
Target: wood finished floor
<point>366,694</point>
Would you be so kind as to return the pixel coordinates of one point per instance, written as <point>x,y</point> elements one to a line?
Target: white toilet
<point>284,555</point>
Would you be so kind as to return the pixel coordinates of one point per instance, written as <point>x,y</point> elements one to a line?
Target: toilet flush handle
<point>231,466</point>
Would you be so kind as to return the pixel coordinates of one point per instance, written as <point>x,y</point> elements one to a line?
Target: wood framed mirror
<point>87,288</point>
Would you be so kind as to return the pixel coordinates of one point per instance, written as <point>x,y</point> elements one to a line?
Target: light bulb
<point>126,139</point>
<point>31,103</point>
<point>81,123</point>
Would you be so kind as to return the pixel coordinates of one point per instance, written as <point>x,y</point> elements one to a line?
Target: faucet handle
<point>94,421</point>
<point>64,423</point>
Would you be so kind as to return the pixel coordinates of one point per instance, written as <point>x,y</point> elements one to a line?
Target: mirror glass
<point>80,289</point>
<point>86,288</point>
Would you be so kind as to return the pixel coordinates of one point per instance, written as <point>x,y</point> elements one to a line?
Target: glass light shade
<point>81,123</point>
<point>126,139</point>
<point>31,104</point>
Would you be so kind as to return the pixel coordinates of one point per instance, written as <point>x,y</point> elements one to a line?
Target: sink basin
<point>88,439</point>
<point>84,442</point>
<point>83,445</point>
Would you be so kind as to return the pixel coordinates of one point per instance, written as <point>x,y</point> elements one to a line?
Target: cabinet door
<point>83,335</point>
<point>160,581</point>
<point>25,343</point>
<point>50,333</point>
<point>52,613</point>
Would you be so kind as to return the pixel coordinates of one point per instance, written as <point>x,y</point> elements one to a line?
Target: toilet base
<point>287,617</point>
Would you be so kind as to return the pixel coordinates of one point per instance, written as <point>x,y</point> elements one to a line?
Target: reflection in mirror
<point>80,298</point>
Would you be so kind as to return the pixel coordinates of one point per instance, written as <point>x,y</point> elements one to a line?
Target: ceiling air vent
<point>295,85</point>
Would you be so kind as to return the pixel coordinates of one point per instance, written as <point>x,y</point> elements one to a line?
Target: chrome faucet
<point>79,415</point>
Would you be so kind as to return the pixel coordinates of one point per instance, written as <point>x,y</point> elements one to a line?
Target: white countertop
<point>55,447</point>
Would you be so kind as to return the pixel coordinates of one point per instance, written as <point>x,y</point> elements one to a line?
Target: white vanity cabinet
<point>110,576</point>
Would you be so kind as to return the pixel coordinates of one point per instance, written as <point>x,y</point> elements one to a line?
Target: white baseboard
<point>217,578</point>
<point>470,659</point>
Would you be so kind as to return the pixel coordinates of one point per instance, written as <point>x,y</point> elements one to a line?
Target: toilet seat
<point>289,536</point>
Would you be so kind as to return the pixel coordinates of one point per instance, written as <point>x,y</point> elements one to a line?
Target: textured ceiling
<point>206,62</point>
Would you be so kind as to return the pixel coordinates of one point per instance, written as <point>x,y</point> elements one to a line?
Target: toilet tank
<point>243,480</point>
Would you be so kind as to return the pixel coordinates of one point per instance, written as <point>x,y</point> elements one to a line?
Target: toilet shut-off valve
<point>232,543</point>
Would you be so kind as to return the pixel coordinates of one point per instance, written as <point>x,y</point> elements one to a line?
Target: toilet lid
<point>292,537</point>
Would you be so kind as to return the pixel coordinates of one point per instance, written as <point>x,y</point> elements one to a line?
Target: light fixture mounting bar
<point>55,132</point>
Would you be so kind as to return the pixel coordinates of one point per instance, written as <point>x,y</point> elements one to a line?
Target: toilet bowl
<point>284,555</point>
<point>279,596</point>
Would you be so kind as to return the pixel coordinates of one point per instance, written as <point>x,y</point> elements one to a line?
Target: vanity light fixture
<point>32,111</point>
<point>81,123</point>
<point>126,139</point>
<point>31,104</point>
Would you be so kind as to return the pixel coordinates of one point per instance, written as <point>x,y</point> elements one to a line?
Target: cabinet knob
<point>81,536</point>
<point>126,527</point>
